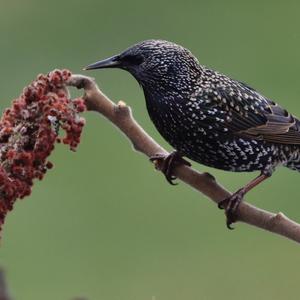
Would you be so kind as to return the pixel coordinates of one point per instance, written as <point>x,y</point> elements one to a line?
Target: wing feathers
<point>252,115</point>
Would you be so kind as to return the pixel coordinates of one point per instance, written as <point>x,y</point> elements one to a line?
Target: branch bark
<point>120,115</point>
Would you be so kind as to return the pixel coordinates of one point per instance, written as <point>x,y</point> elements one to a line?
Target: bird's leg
<point>232,203</point>
<point>168,162</point>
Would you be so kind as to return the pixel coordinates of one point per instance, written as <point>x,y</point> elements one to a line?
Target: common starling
<point>209,117</point>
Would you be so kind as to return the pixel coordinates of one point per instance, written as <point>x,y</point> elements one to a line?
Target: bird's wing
<point>243,112</point>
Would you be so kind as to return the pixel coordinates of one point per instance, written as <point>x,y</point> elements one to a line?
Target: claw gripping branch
<point>29,131</point>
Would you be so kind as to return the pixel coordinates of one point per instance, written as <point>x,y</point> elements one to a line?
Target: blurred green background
<point>103,224</point>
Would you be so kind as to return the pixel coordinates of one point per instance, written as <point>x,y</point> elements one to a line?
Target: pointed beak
<point>111,62</point>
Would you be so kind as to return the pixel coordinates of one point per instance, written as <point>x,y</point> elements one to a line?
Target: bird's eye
<point>133,59</point>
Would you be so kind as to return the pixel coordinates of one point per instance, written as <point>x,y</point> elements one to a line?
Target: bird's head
<point>153,62</point>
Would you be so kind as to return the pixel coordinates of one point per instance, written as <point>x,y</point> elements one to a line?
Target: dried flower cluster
<point>29,131</point>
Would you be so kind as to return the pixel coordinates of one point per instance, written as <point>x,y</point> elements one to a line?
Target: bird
<point>209,117</point>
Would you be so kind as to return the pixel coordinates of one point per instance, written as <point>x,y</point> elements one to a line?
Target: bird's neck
<point>177,86</point>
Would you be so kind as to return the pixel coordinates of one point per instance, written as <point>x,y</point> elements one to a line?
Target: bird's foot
<point>167,163</point>
<point>231,205</point>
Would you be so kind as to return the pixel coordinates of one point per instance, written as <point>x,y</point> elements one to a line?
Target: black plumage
<point>209,117</point>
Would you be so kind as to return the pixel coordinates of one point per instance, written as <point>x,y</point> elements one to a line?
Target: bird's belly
<point>232,154</point>
<point>225,152</point>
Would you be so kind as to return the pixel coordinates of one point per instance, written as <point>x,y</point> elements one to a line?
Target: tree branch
<point>121,116</point>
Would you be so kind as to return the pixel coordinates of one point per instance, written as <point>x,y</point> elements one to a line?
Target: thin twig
<point>121,116</point>
<point>4,294</point>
